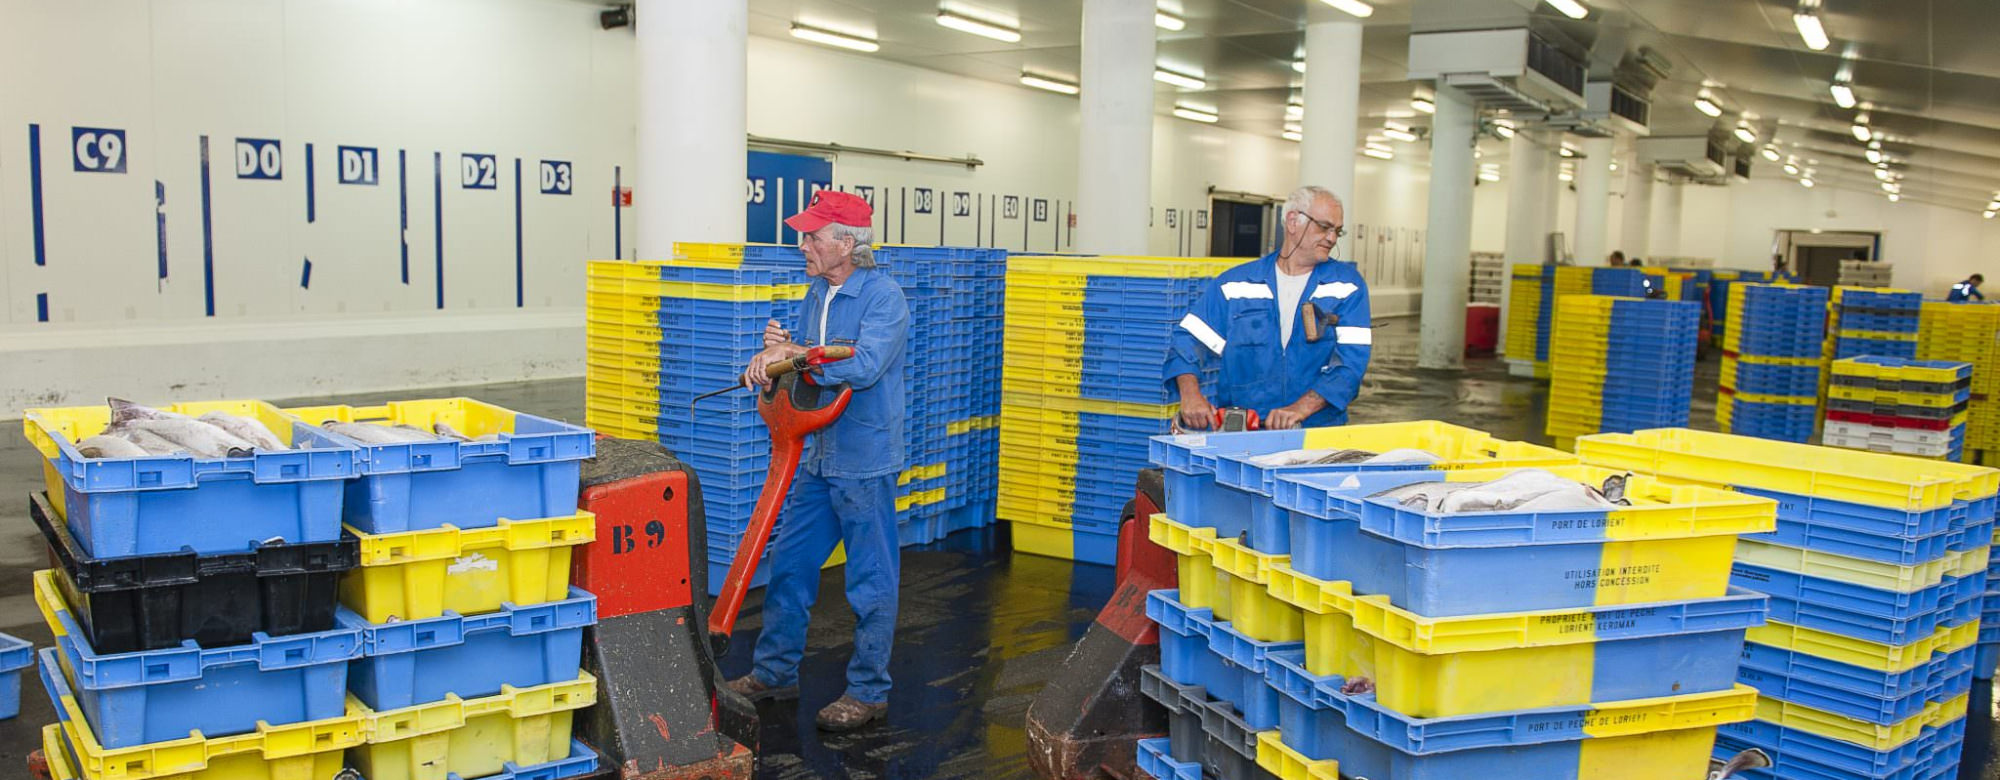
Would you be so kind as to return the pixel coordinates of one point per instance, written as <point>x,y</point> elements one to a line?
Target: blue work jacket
<point>870,315</point>
<point>1235,320</point>
<point>1963,292</point>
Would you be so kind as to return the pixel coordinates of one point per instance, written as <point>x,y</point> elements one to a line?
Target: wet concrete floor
<point>980,629</point>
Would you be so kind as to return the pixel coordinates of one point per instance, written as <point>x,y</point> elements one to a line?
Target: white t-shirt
<point>826,306</point>
<point>1290,290</point>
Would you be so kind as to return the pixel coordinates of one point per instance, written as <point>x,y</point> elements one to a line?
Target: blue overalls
<point>847,490</point>
<point>1964,292</point>
<point>1235,319</point>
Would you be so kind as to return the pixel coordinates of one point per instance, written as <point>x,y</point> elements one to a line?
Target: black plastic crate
<point>151,602</point>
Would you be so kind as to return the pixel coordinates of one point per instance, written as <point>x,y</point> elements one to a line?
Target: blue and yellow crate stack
<point>1620,364</point>
<point>1530,313</point>
<point>1073,418</point>
<point>1898,406</point>
<point>1873,321</point>
<point>1325,631</point>
<point>432,603</point>
<point>1772,361</point>
<point>1876,575</point>
<point>1969,333</point>
<point>950,431</point>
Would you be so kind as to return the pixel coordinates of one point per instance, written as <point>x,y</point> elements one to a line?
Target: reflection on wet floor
<point>980,629</point>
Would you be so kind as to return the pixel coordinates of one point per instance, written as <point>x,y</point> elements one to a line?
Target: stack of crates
<point>1771,361</point>
<point>1866,273</point>
<point>1620,364</point>
<point>1489,277</point>
<point>1917,407</point>
<point>278,643</point>
<point>1718,297</point>
<point>1081,391</point>
<point>978,293</point>
<point>1876,575</point>
<point>470,635</point>
<point>195,594</point>
<point>1865,321</point>
<point>1531,303</point>
<point>1317,624</point>
<point>1966,333</point>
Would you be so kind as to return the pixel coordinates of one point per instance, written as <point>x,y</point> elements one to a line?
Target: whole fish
<point>415,433</point>
<point>152,443</point>
<point>368,433</point>
<point>123,411</point>
<point>1421,495</point>
<point>1405,455</point>
<point>444,429</point>
<point>104,446</point>
<point>1311,457</point>
<point>196,437</point>
<point>245,428</point>
<point>1506,492</point>
<point>1614,489</point>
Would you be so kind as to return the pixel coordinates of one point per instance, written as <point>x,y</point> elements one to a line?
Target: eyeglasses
<point>1329,227</point>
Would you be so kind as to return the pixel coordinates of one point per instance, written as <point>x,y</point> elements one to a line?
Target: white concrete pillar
<point>1114,182</point>
<point>1332,94</point>
<point>1448,252</point>
<point>1667,230</point>
<point>1527,178</point>
<point>1636,238</point>
<point>693,76</point>
<point>1593,201</point>
<point>1552,195</point>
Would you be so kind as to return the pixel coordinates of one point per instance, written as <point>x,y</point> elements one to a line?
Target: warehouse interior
<point>346,211</point>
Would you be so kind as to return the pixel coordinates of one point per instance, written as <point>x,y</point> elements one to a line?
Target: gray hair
<point>864,242</point>
<point>1301,199</point>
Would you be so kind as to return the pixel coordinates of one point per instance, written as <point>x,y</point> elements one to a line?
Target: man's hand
<point>1197,414</point>
<point>757,375</point>
<point>775,334</point>
<point>1287,417</point>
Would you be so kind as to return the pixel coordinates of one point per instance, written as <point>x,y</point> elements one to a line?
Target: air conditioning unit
<point>1512,69</point>
<point>1617,107</point>
<point>1697,156</point>
<point>1740,164</point>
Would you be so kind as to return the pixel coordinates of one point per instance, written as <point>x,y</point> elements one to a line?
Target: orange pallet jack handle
<point>793,407</point>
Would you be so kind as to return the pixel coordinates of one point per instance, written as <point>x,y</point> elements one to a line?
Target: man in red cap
<point>847,492</point>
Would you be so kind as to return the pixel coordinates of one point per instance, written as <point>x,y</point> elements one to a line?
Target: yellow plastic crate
<point>1845,475</point>
<point>1051,540</point>
<point>1284,763</point>
<point>313,750</point>
<point>1818,722</point>
<point>1146,267</point>
<point>1841,568</point>
<point>1970,562</point>
<point>475,738</point>
<point>414,575</point>
<point>1848,650</point>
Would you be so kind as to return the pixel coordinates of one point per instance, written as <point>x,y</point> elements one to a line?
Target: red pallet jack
<point>663,711</point>
<point>1086,723</point>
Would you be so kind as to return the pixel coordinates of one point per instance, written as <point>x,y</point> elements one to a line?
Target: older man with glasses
<point>1291,328</point>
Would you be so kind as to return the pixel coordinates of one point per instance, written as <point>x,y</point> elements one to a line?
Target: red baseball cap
<point>830,206</point>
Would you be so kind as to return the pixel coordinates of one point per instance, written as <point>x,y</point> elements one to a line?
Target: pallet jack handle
<point>793,407</point>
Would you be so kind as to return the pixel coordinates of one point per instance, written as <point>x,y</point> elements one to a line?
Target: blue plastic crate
<point>1788,765</point>
<point>1156,761</point>
<point>1836,754</point>
<point>1900,551</point>
<point>1843,595</point>
<point>415,662</point>
<point>1320,722</point>
<point>155,695</point>
<point>118,507</point>
<point>1805,687</point>
<point>1248,659</point>
<point>1826,512</point>
<point>1822,674</point>
<point>1845,622</point>
<point>15,655</point>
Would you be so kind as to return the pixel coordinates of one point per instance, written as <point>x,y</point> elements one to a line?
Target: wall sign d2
<point>556,177</point>
<point>98,149</point>
<point>478,172</point>
<point>259,158</point>
<point>359,165</point>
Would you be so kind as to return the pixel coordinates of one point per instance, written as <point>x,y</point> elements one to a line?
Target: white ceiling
<point>1930,76</point>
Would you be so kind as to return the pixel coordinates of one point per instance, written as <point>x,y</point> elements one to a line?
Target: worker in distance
<point>846,492</point>
<point>1290,329</point>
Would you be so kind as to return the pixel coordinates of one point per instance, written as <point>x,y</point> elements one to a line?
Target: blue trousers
<point>823,512</point>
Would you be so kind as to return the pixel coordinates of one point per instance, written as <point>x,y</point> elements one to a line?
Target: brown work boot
<point>850,713</point>
<point>755,690</point>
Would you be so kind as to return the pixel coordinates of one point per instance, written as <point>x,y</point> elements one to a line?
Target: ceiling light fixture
<point>1566,176</point>
<point>1203,115</point>
<point>1843,94</point>
<point>1745,134</point>
<point>1873,155</point>
<point>1379,154</point>
<point>1567,150</point>
<point>1399,131</point>
<point>1292,135</point>
<point>1298,66</point>
<point>1806,183</point>
<point>1489,175</point>
<point>1168,22</point>
<point>980,27</point>
<point>1570,8</point>
<point>1050,84</point>
<point>1881,174</point>
<point>1707,105</point>
<point>1295,111</point>
<point>1810,29</point>
<point>1293,127</point>
<point>1771,153</point>
<point>1352,7</point>
<point>1893,197</point>
<point>1862,132</point>
<point>1377,145</point>
<point>806,32</point>
<point>1423,104</point>
<point>1791,170</point>
<point>1503,128</point>
<point>1182,80</point>
<point>1988,215</point>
